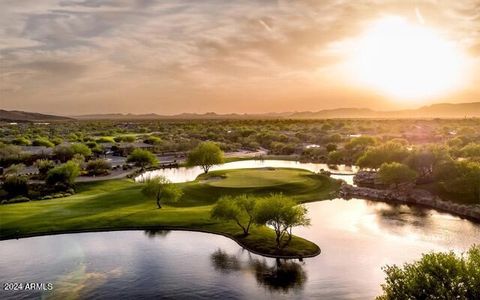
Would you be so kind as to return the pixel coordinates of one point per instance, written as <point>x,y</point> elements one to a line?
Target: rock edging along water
<point>131,228</point>
<point>411,196</point>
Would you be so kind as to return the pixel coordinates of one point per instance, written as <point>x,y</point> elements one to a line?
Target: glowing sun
<point>407,61</point>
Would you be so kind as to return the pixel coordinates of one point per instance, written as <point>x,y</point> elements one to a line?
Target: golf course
<point>121,205</point>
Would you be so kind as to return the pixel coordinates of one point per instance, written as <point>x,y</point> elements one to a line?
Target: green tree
<point>63,176</point>
<point>162,190</point>
<point>435,276</point>
<point>142,158</point>
<point>385,153</point>
<point>358,144</point>
<point>461,177</point>
<point>282,214</point>
<point>335,157</point>
<point>396,173</point>
<point>240,209</point>
<point>206,155</point>
<point>425,160</point>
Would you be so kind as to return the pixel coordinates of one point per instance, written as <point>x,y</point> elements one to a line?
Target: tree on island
<point>162,189</point>
<point>142,158</point>
<point>206,155</point>
<point>435,276</point>
<point>396,173</point>
<point>240,209</point>
<point>282,213</point>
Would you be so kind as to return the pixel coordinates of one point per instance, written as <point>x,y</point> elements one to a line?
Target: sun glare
<point>407,61</point>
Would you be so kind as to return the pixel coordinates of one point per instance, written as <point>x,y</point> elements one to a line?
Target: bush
<point>125,138</point>
<point>18,199</point>
<point>63,176</point>
<point>56,140</point>
<point>21,141</point>
<point>153,140</point>
<point>98,167</point>
<point>81,149</point>
<point>105,139</point>
<point>44,165</point>
<point>43,142</point>
<point>435,276</point>
<point>16,185</point>
<point>10,154</point>
<point>67,152</point>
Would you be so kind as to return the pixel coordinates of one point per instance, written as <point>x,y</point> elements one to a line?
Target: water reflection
<point>153,233</point>
<point>224,262</point>
<point>396,217</point>
<point>283,276</point>
<point>276,275</point>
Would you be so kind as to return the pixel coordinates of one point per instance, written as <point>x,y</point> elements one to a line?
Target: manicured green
<point>120,204</point>
<point>256,178</point>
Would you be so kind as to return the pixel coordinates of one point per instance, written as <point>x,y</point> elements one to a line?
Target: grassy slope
<point>119,204</point>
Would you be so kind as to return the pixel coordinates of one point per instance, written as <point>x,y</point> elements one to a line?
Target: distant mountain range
<point>22,116</point>
<point>441,110</point>
<point>183,116</point>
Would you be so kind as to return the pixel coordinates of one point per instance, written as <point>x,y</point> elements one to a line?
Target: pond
<point>357,238</point>
<point>184,174</point>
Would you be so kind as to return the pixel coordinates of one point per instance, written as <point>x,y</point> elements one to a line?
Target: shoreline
<point>168,228</point>
<point>414,197</point>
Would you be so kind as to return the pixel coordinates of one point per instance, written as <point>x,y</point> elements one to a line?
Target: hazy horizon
<point>145,56</point>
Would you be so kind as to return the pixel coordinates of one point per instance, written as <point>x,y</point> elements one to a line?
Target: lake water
<point>184,174</point>
<point>357,238</point>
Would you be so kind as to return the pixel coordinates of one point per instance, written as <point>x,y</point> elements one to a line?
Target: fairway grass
<point>120,205</point>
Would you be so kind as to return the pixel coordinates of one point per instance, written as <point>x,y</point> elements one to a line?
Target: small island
<point>120,205</point>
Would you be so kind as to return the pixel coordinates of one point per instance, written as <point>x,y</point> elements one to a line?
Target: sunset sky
<point>167,57</point>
